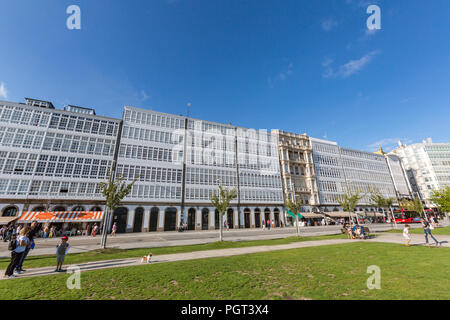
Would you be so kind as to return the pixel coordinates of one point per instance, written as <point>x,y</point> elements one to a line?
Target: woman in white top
<point>22,242</point>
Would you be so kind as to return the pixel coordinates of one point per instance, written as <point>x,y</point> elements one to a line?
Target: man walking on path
<point>427,231</point>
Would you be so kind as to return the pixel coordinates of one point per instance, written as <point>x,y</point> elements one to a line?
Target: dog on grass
<point>147,259</point>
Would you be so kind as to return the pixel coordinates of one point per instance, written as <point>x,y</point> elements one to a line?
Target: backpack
<point>12,245</point>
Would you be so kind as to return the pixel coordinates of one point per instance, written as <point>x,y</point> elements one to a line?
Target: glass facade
<point>149,151</point>
<point>427,165</point>
<point>53,154</point>
<point>153,148</point>
<point>341,169</point>
<point>61,155</point>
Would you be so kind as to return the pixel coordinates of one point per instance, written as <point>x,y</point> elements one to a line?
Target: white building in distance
<point>427,165</point>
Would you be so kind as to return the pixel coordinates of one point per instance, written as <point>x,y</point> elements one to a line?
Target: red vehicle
<point>405,216</point>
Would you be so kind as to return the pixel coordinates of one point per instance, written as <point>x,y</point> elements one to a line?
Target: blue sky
<point>300,66</point>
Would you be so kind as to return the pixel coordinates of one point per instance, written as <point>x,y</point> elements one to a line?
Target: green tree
<point>221,201</point>
<point>294,207</point>
<point>441,198</point>
<point>350,200</point>
<point>114,190</point>
<point>413,205</point>
<point>381,202</point>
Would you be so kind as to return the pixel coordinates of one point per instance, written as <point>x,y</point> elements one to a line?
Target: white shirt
<point>406,232</point>
<point>20,249</point>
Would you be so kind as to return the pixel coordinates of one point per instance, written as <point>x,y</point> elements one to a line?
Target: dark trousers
<point>22,258</point>
<point>428,233</point>
<point>15,258</point>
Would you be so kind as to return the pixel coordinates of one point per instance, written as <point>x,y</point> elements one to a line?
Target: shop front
<point>64,222</point>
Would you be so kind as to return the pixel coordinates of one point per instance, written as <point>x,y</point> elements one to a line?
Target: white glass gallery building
<point>340,169</point>
<point>179,162</point>
<point>52,161</point>
<point>427,165</point>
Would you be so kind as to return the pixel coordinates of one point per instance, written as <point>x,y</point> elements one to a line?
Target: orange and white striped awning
<point>61,216</point>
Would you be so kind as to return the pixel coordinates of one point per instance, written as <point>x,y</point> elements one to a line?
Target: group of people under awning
<point>337,217</point>
<point>56,223</point>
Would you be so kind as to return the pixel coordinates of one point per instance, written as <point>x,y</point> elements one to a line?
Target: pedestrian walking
<point>263,224</point>
<point>46,231</point>
<point>3,233</point>
<point>52,232</point>
<point>406,235</point>
<point>8,233</point>
<point>94,230</point>
<point>17,245</point>
<point>114,229</point>
<point>268,224</point>
<point>61,250</point>
<point>427,231</point>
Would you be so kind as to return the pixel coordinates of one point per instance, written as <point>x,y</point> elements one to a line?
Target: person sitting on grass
<point>406,235</point>
<point>61,251</point>
<point>354,232</point>
<point>362,232</point>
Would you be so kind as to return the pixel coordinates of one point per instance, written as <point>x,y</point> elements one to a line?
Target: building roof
<point>39,103</point>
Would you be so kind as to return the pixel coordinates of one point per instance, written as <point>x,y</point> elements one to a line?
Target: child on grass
<point>406,235</point>
<point>61,251</point>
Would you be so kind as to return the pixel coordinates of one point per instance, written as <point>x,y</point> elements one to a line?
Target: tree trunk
<point>426,217</point>
<point>221,226</point>
<point>105,230</point>
<point>393,218</point>
<point>298,226</point>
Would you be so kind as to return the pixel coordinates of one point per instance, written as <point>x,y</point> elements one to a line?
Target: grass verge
<point>113,253</point>
<point>325,272</point>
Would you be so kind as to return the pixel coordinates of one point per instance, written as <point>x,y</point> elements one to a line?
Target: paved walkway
<point>88,266</point>
<point>416,239</point>
<point>166,239</point>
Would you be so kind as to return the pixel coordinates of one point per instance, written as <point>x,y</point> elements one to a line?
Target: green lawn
<point>108,254</point>
<point>437,231</point>
<point>326,272</point>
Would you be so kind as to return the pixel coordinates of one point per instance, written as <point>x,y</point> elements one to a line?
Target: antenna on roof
<point>188,109</point>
